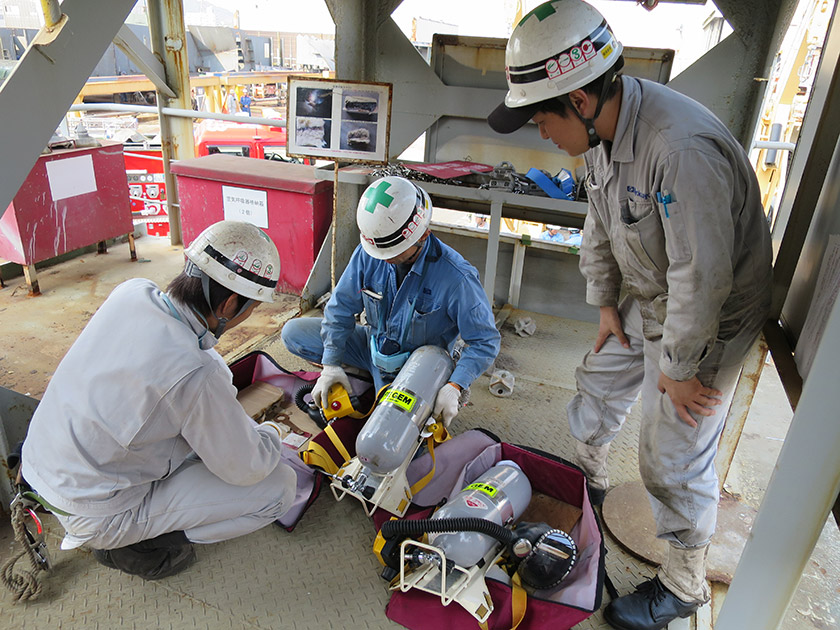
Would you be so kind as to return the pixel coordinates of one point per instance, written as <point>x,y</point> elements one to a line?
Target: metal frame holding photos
<point>346,121</point>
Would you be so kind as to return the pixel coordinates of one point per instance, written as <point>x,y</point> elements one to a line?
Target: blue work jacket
<point>440,298</point>
<point>548,236</point>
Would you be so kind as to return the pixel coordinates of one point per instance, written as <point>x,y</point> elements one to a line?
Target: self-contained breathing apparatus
<point>397,427</point>
<point>474,536</point>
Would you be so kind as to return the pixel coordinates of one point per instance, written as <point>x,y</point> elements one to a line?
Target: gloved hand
<point>330,375</point>
<point>446,403</point>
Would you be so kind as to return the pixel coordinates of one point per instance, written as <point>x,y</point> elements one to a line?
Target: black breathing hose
<point>302,391</point>
<point>312,411</point>
<point>392,529</point>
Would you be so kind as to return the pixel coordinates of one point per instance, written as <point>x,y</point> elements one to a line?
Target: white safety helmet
<point>392,215</point>
<point>240,257</point>
<point>555,49</point>
<point>551,227</point>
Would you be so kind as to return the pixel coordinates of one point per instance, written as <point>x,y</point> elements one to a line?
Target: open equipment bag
<point>260,367</point>
<point>460,461</point>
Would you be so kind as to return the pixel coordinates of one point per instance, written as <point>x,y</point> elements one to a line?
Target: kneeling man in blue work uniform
<point>414,290</point>
<point>139,446</point>
<point>675,221</point>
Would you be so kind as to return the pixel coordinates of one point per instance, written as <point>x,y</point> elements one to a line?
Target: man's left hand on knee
<point>690,395</point>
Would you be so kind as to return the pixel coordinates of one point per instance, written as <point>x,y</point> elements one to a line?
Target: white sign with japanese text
<point>245,204</point>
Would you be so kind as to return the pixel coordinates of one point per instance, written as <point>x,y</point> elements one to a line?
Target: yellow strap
<point>439,435</point>
<point>519,601</point>
<point>336,441</point>
<point>316,455</point>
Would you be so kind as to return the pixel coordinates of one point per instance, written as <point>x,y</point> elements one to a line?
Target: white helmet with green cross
<point>393,214</point>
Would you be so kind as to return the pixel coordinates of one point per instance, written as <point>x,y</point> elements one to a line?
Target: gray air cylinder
<point>393,429</point>
<point>500,495</point>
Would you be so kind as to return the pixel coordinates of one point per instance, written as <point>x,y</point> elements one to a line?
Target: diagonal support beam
<point>46,80</point>
<point>151,66</point>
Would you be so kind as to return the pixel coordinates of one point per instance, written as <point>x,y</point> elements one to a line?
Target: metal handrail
<point>172,111</point>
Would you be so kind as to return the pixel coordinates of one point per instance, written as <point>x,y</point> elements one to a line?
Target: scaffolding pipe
<point>176,112</point>
<point>774,144</point>
<point>52,13</point>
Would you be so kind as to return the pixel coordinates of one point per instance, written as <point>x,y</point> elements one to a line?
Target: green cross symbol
<point>542,12</point>
<point>377,195</point>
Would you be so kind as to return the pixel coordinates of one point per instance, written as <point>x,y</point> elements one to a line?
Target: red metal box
<point>286,200</point>
<point>72,198</point>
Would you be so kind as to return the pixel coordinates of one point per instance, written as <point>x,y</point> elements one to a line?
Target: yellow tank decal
<point>483,487</point>
<point>400,399</point>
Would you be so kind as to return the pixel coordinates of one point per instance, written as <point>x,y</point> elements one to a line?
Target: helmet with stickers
<point>240,257</point>
<point>555,49</point>
<point>392,215</point>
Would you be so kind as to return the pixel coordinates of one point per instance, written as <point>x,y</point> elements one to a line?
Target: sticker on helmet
<point>416,220</point>
<point>569,60</point>
<point>256,265</point>
<point>377,195</point>
<point>541,12</point>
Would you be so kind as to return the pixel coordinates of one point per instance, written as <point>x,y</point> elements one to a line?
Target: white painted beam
<point>143,58</point>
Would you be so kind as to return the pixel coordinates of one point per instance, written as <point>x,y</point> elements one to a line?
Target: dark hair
<point>560,104</point>
<point>188,290</point>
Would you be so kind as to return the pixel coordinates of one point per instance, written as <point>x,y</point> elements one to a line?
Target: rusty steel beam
<point>169,43</point>
<point>739,409</point>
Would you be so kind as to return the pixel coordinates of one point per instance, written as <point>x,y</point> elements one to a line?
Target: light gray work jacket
<point>139,391</point>
<point>675,214</point>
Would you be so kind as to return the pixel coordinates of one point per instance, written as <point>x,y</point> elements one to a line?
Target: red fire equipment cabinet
<point>147,189</point>
<point>286,200</point>
<point>71,198</point>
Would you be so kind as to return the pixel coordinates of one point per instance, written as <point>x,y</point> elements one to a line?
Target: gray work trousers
<point>676,461</point>
<point>193,500</point>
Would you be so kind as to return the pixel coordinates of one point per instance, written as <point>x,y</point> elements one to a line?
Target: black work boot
<point>596,495</point>
<point>151,559</point>
<point>651,607</point>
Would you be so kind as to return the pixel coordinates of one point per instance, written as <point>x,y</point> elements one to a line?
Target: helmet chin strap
<point>589,123</point>
<point>222,321</point>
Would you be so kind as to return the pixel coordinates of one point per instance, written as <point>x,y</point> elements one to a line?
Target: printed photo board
<point>344,121</point>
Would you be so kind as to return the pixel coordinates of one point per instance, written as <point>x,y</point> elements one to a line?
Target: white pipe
<point>171,111</point>
<point>145,157</point>
<point>772,144</point>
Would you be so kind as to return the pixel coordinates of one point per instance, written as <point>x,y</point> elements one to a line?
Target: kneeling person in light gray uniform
<point>139,444</point>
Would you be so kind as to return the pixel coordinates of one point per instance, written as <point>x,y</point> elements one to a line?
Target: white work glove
<point>330,375</point>
<point>446,403</point>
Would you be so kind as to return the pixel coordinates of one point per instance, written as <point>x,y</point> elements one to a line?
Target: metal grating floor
<point>324,575</point>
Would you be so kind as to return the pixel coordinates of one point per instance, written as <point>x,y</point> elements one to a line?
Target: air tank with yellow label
<point>393,430</point>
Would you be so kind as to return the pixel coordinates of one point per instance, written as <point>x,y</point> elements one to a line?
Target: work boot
<point>677,591</point>
<point>684,573</point>
<point>651,607</point>
<point>593,461</point>
<point>151,559</point>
